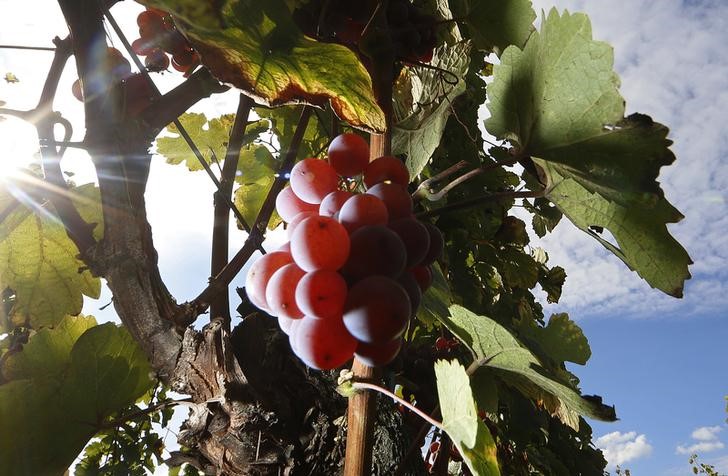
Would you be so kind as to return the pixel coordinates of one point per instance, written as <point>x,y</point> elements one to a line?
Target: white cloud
<point>671,60</point>
<point>620,448</point>
<point>706,433</point>
<point>707,437</point>
<point>700,448</point>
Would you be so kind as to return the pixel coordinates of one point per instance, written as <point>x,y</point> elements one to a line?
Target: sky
<point>660,361</point>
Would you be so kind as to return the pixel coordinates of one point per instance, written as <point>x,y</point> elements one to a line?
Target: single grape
<point>348,154</point>
<point>385,169</point>
<point>260,273</point>
<point>423,276</point>
<point>320,243</point>
<point>378,355</point>
<point>395,197</point>
<point>377,310</point>
<point>286,324</point>
<point>415,237</point>
<point>143,46</point>
<point>296,220</point>
<point>313,179</point>
<point>436,244</point>
<point>288,205</point>
<point>280,293</point>
<point>374,250</point>
<point>323,344</point>
<point>149,18</point>
<point>157,61</point>
<point>363,210</point>
<point>77,90</point>
<point>332,203</point>
<point>410,285</point>
<point>322,294</point>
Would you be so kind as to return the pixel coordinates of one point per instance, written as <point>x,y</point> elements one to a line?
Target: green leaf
<point>552,281</point>
<point>39,262</point>
<point>460,419</point>
<point>514,363</point>
<point>283,122</point>
<point>257,174</point>
<point>558,102</point>
<point>436,300</point>
<point>210,135</point>
<point>260,50</point>
<point>66,381</point>
<point>545,216</point>
<point>562,340</point>
<point>495,24</point>
<point>422,102</point>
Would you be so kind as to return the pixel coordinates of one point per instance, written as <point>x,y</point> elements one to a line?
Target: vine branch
<point>219,283</point>
<point>477,201</point>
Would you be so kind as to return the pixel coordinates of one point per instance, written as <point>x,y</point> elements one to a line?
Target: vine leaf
<point>257,170</point>
<point>61,387</point>
<point>495,24</point>
<point>40,264</point>
<point>283,122</point>
<point>436,300</point>
<point>422,103</point>
<point>562,340</point>
<point>210,136</point>
<point>557,100</point>
<point>460,419</point>
<point>502,354</point>
<point>261,51</point>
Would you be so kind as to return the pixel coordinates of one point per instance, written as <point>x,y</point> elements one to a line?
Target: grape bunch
<point>158,37</point>
<point>353,273</point>
<point>412,31</point>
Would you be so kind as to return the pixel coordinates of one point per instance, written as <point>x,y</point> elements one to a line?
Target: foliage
<point>516,410</point>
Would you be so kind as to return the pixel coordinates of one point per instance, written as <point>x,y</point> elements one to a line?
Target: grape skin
<point>395,198</point>
<point>322,294</point>
<point>320,243</point>
<point>333,202</point>
<point>361,210</point>
<point>386,168</point>
<point>260,273</point>
<point>436,244</point>
<point>415,237</point>
<point>377,310</point>
<point>313,179</point>
<point>323,344</point>
<point>375,250</point>
<point>378,355</point>
<point>288,205</point>
<point>280,294</point>
<point>348,154</point>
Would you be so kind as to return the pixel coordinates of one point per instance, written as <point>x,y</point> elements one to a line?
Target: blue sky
<point>661,361</point>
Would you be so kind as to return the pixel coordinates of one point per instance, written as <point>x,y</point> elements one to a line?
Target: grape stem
<point>401,401</point>
<point>477,201</point>
<point>425,189</point>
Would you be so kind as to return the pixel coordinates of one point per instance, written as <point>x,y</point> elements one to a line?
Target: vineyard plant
<point>407,150</point>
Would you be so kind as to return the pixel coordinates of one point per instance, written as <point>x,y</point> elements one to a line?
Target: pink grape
<point>295,222</point>
<point>313,179</point>
<point>333,202</point>
<point>410,285</point>
<point>362,210</point>
<point>386,169</point>
<point>322,294</point>
<point>348,154</point>
<point>378,355</point>
<point>320,243</point>
<point>288,205</point>
<point>280,294</point>
<point>415,237</point>
<point>260,273</point>
<point>423,276</point>
<point>374,250</point>
<point>323,344</point>
<point>377,310</point>
<point>395,197</point>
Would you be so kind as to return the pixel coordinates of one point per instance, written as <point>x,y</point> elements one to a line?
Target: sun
<point>18,146</point>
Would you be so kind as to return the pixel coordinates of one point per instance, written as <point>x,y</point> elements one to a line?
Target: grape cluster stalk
<point>352,275</point>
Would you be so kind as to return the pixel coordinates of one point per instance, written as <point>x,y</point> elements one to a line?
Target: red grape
<point>287,324</point>
<point>323,344</point>
<point>313,179</point>
<point>377,310</point>
<point>410,285</point>
<point>149,18</point>
<point>384,169</point>
<point>157,61</point>
<point>415,237</point>
<point>77,90</point>
<point>288,205</point>
<point>395,197</point>
<point>333,202</point>
<point>374,250</point>
<point>320,243</point>
<point>362,210</point>
<point>143,46</point>
<point>322,294</point>
<point>260,273</point>
<point>378,355</point>
<point>280,293</point>
<point>349,154</point>
<point>423,276</point>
